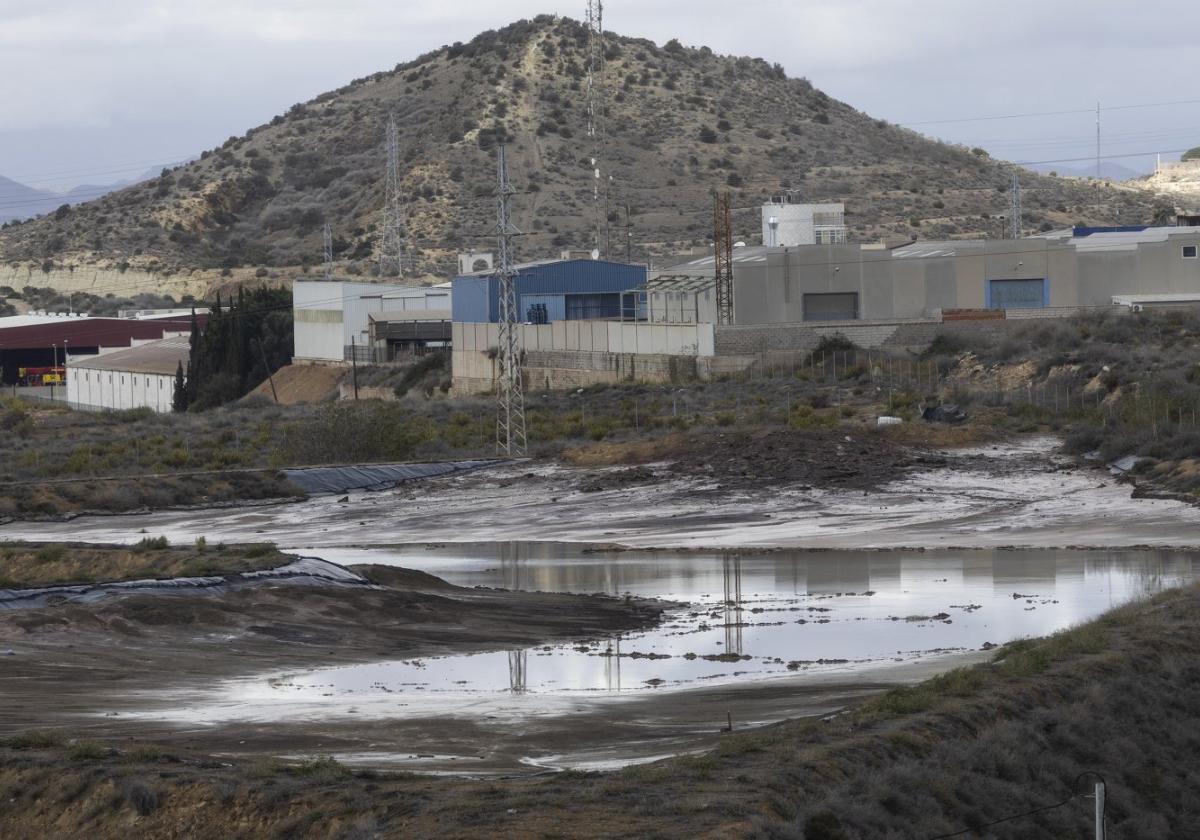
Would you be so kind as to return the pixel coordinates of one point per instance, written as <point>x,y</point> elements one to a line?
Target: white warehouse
<point>333,317</point>
<point>140,377</point>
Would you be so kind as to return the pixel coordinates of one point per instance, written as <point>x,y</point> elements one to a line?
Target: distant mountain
<point>18,201</point>
<point>1109,171</point>
<point>679,122</point>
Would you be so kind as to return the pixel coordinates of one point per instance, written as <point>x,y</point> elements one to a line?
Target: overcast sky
<point>97,91</point>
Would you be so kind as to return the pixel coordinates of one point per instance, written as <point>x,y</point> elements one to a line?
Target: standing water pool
<point>783,615</point>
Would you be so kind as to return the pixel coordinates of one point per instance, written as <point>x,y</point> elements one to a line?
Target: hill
<point>679,122</point>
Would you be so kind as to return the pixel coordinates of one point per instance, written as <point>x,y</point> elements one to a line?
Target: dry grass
<point>42,564</point>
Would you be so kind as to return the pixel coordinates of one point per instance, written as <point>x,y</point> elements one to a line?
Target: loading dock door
<point>1016,294</point>
<point>842,306</point>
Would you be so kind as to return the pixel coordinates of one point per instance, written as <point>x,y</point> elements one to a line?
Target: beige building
<point>921,280</point>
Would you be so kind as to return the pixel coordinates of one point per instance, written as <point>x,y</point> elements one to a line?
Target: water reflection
<point>746,616</point>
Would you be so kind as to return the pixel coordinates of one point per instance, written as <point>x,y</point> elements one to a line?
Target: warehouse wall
<point>115,390</point>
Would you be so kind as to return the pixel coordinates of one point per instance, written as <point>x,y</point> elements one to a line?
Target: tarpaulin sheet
<point>321,480</point>
<point>306,570</point>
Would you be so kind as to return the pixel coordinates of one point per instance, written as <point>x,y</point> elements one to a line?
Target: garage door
<point>831,307</point>
<point>1016,294</point>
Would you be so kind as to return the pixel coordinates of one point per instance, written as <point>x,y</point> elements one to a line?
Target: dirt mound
<point>302,384</point>
<point>400,578</point>
<point>819,457</point>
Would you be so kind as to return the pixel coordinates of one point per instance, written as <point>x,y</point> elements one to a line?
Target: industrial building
<point>45,341</point>
<point>550,290</point>
<point>1058,270</point>
<point>337,320</point>
<point>140,377</point>
<point>785,224</point>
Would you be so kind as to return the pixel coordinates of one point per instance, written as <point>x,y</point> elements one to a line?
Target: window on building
<point>585,307</point>
<point>842,306</point>
<point>1189,252</point>
<point>1016,294</point>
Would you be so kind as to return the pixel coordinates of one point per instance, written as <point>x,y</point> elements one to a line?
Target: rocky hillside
<point>680,122</point>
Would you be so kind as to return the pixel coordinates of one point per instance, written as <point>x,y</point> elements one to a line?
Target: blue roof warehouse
<point>549,290</point>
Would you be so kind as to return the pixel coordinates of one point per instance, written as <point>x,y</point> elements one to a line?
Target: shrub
<point>86,751</point>
<point>49,554</point>
<point>34,739</point>
<point>141,798</point>
<point>151,544</point>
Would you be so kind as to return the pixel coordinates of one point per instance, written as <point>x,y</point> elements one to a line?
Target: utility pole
<point>723,257</point>
<point>595,108</point>
<point>510,396</point>
<point>1014,207</point>
<point>391,248</point>
<point>1097,140</point>
<point>327,247</point>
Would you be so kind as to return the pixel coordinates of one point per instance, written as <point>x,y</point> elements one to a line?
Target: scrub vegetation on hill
<point>678,122</point>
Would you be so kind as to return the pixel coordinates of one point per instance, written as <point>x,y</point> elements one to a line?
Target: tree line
<point>241,344</point>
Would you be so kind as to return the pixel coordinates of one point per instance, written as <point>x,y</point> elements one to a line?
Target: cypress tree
<point>179,401</point>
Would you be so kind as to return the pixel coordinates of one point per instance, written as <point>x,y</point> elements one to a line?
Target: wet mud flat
<point>1013,494</point>
<point>512,668</point>
<point>83,663</point>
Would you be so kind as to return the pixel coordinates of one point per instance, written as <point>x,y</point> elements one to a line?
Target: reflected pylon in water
<point>517,661</point>
<point>732,569</point>
<point>612,665</point>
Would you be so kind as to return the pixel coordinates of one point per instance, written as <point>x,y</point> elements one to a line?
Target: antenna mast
<point>510,396</point>
<point>1014,207</point>
<point>595,109</point>
<point>391,250</point>
<point>327,242</point>
<point>723,257</point>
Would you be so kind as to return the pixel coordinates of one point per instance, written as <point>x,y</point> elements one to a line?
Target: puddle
<point>785,615</point>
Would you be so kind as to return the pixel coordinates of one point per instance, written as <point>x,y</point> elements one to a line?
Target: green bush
<point>49,554</point>
<point>151,544</point>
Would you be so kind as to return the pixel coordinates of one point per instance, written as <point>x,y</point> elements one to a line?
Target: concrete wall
<point>606,350</point>
<point>115,390</point>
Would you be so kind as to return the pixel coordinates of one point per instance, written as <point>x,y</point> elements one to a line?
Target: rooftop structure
<point>787,224</point>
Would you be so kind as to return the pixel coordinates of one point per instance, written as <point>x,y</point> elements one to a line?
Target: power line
<point>1075,794</point>
<point>996,117</point>
<point>391,247</point>
<point>510,394</point>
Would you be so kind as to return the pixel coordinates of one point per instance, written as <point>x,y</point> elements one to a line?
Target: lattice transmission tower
<point>723,257</point>
<point>391,248</point>
<point>327,250</point>
<point>1014,207</point>
<point>595,112</point>
<point>510,394</point>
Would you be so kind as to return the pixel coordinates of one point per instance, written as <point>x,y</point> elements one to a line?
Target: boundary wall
<point>575,354</point>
